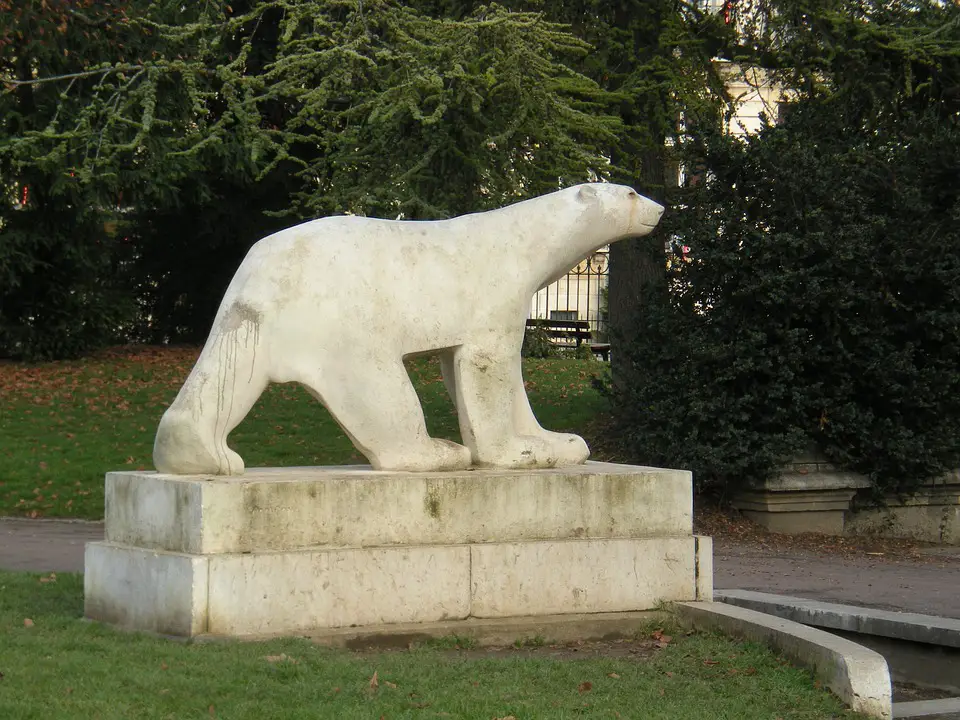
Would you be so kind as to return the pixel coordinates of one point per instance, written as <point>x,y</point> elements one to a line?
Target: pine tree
<point>171,110</point>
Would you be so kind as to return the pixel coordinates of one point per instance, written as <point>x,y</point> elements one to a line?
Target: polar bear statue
<point>336,304</point>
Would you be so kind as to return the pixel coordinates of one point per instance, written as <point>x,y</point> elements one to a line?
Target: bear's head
<point>619,209</point>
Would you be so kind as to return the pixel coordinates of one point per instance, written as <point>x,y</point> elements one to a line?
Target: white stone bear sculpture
<point>336,304</point>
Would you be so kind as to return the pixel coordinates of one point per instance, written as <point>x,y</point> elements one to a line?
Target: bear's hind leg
<point>216,397</point>
<point>374,402</point>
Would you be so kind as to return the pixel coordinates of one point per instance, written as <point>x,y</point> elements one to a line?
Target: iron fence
<point>578,295</point>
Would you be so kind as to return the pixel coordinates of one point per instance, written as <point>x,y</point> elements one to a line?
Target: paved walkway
<point>45,545</point>
<point>930,586</point>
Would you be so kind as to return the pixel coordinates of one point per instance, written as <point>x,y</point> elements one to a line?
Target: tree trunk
<point>636,265</point>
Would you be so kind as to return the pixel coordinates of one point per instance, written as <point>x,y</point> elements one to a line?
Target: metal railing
<point>578,295</point>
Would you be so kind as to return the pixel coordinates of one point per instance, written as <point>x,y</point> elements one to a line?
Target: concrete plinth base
<point>814,499</point>
<point>302,549</point>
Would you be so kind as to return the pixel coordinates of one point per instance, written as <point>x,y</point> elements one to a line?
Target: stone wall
<point>811,495</point>
<point>932,514</point>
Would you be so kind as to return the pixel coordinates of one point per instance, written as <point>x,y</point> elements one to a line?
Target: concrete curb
<point>855,674</point>
<point>900,625</point>
<point>931,709</point>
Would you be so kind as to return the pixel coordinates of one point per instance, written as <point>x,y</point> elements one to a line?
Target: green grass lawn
<point>53,664</point>
<point>63,425</point>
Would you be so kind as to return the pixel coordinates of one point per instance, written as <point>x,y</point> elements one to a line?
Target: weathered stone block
<point>585,576</point>
<point>704,568</point>
<point>271,593</point>
<point>801,500</point>
<point>295,508</point>
<point>932,514</point>
<point>298,550</point>
<point>139,589</point>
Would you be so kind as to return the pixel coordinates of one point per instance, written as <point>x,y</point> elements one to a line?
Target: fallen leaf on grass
<point>27,622</point>
<point>52,577</point>
<point>211,711</point>
<point>280,658</point>
<point>711,662</point>
<point>750,671</point>
<point>390,684</point>
<point>668,673</point>
<point>614,676</point>
<point>505,717</point>
<point>660,640</point>
<point>662,692</point>
<point>374,682</point>
<point>585,686</point>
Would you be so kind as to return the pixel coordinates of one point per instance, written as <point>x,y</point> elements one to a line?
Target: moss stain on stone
<point>432,504</point>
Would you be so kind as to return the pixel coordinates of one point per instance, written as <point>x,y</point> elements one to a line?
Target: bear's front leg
<point>495,417</point>
<point>571,448</point>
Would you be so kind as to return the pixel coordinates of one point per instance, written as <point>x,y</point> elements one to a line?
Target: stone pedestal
<point>806,497</point>
<point>283,551</point>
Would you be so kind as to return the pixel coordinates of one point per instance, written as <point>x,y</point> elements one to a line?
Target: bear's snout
<point>645,212</point>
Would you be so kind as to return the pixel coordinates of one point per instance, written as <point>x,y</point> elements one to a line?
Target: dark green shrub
<point>822,306</point>
<point>580,352</point>
<point>537,343</point>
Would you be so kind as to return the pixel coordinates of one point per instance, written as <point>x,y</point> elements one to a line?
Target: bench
<point>567,332</point>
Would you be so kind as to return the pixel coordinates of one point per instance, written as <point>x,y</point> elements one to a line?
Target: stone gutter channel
<point>920,650</point>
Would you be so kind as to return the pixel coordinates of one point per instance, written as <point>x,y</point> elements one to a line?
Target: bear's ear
<point>587,194</point>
